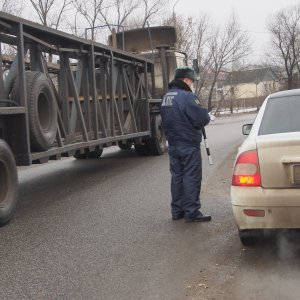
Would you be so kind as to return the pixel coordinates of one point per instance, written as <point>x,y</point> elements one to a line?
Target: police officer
<point>183,119</point>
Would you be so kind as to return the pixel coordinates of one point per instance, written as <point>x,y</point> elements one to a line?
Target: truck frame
<point>94,96</point>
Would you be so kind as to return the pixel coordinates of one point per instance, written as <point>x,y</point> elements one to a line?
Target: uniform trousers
<point>186,172</point>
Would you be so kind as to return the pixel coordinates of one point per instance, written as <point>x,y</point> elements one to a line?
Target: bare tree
<point>226,46</point>
<point>50,12</point>
<point>212,48</point>
<point>116,15</point>
<point>73,25</point>
<point>185,31</point>
<point>152,8</point>
<point>192,39</point>
<point>201,54</point>
<point>14,8</point>
<point>11,7</point>
<point>91,11</point>
<point>285,40</point>
<point>148,11</point>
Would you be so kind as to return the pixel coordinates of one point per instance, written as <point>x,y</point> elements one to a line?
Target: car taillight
<point>254,212</point>
<point>246,170</point>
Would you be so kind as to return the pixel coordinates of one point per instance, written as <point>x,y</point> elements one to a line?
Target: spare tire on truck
<point>42,109</point>
<point>8,183</point>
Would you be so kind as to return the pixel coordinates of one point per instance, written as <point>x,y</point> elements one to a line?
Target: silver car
<point>265,190</point>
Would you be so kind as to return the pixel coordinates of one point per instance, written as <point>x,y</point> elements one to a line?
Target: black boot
<point>199,218</point>
<point>178,217</point>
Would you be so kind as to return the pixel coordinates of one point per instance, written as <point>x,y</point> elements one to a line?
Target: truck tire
<point>157,143</point>
<point>42,110</point>
<point>95,154</point>
<point>142,150</point>
<point>126,146</point>
<point>89,154</point>
<point>79,155</point>
<point>8,183</point>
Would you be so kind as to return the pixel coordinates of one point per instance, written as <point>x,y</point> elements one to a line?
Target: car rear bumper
<point>275,217</point>
<point>281,207</point>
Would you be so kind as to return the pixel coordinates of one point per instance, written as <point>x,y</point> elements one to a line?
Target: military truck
<point>65,96</point>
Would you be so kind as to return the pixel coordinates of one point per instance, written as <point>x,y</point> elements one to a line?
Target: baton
<point>206,146</point>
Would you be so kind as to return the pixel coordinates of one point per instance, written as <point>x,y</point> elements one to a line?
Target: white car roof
<point>287,93</point>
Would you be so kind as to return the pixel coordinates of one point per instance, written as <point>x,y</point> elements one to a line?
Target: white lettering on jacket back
<point>168,99</point>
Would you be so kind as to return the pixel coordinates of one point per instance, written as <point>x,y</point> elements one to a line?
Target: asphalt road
<point>101,229</point>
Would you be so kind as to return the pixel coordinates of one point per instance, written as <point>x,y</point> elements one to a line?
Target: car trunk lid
<point>279,160</point>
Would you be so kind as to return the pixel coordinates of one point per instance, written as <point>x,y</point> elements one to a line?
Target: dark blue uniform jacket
<point>182,115</point>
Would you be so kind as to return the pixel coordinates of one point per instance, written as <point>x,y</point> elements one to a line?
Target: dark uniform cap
<point>185,72</point>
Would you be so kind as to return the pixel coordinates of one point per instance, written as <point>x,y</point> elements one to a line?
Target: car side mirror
<point>246,129</point>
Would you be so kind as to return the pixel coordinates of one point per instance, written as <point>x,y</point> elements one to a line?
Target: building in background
<point>251,83</point>
<point>240,91</point>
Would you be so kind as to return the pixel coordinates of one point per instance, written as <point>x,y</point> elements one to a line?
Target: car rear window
<point>281,115</point>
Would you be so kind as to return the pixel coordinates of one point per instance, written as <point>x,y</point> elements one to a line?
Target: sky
<point>253,15</point>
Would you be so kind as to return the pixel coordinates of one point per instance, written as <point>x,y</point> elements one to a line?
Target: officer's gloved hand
<point>212,117</point>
